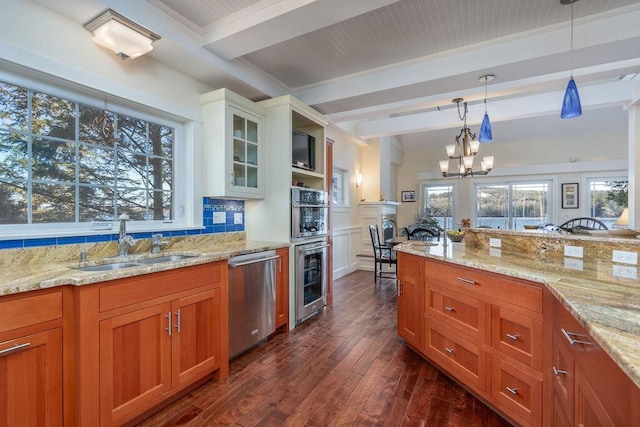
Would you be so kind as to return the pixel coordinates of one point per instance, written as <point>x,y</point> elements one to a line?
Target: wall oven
<point>309,213</point>
<point>310,280</point>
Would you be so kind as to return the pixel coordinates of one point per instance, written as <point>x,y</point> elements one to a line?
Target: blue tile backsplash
<point>210,206</point>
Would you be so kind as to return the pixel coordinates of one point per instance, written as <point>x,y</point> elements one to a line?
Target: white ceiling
<point>392,67</point>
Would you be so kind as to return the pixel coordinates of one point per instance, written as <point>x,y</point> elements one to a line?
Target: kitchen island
<point>509,270</point>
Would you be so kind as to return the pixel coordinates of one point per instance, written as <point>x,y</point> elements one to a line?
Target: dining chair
<point>383,255</point>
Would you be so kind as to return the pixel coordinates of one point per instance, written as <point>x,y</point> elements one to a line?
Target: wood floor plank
<point>344,367</point>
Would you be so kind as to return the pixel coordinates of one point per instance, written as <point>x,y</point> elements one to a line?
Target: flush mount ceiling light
<point>126,38</point>
<point>571,103</point>
<point>464,150</point>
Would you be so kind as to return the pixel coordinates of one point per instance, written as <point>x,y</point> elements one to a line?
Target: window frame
<point>453,202</point>
<point>340,194</point>
<point>182,196</point>
<point>587,211</point>
<point>510,183</point>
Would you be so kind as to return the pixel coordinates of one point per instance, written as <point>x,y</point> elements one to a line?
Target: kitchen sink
<point>109,267</point>
<point>136,263</point>
<point>166,258</point>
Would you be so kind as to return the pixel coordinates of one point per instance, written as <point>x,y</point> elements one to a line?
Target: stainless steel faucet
<point>125,242</point>
<point>156,243</point>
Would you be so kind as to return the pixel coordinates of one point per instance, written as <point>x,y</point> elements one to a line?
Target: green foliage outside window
<point>65,162</point>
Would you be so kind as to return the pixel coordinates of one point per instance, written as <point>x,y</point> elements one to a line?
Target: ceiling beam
<point>596,96</point>
<point>480,58</point>
<point>270,22</point>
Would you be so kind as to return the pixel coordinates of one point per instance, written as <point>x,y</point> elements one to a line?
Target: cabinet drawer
<point>462,312</point>
<point>124,292</point>
<point>516,392</point>
<point>27,310</point>
<point>488,285</point>
<point>518,336</point>
<point>460,356</point>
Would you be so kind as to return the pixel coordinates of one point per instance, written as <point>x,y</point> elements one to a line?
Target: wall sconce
<point>358,179</point>
<point>123,36</point>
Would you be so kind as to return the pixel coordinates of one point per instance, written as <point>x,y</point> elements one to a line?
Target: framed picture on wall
<point>570,195</point>
<point>408,196</point>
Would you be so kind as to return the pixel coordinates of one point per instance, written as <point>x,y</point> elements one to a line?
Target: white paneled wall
<point>346,244</point>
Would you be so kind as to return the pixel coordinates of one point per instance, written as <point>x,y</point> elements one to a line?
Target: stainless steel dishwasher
<point>252,300</point>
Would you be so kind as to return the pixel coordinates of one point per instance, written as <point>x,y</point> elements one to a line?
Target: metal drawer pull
<point>15,348</point>
<point>178,320</point>
<point>449,308</point>
<point>513,337</point>
<point>469,281</point>
<point>448,350</point>
<point>513,391</point>
<point>557,371</point>
<point>168,329</point>
<point>569,336</point>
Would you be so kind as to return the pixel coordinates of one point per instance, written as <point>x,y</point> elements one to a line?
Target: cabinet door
<point>589,411</point>
<point>135,360</point>
<point>31,380</point>
<point>562,368</point>
<point>196,332</point>
<point>282,288</point>
<point>410,299</point>
<point>246,153</point>
<point>410,313</point>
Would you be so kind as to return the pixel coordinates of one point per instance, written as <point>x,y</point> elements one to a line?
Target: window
<point>607,198</point>
<point>65,162</point>
<point>437,202</point>
<point>512,205</point>
<point>340,187</point>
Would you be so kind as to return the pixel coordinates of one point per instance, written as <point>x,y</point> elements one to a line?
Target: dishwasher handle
<point>233,264</point>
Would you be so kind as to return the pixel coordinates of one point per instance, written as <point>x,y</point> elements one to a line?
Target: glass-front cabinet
<point>233,146</point>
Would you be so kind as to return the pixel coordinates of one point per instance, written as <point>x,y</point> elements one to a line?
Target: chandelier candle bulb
<point>444,166</point>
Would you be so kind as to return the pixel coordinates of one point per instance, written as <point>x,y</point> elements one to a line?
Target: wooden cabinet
<point>233,146</point>
<point>31,359</point>
<point>486,330</point>
<point>282,289</point>
<point>410,299</point>
<point>588,387</point>
<point>156,334</point>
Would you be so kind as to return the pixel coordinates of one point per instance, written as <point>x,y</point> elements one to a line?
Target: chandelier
<point>464,150</point>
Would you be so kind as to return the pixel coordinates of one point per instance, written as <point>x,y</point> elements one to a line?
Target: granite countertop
<point>26,270</point>
<point>597,293</point>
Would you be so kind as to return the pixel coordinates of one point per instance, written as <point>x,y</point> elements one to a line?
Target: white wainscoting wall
<point>346,243</point>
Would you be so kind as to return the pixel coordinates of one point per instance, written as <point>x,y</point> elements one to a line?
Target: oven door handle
<point>301,205</point>
<point>314,250</point>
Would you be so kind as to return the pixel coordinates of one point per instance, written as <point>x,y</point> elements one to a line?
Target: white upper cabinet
<point>233,146</point>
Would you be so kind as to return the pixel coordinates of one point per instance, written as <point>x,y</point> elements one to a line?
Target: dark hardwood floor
<point>345,367</point>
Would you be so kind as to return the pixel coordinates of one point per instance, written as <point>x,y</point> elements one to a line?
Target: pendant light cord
<point>571,55</point>
<point>486,78</point>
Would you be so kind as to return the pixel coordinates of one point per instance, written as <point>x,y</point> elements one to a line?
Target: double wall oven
<point>309,216</point>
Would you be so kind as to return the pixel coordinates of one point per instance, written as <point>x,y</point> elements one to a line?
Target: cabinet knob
<point>448,350</point>
<point>449,308</point>
<point>513,390</point>
<point>513,337</point>
<point>469,281</point>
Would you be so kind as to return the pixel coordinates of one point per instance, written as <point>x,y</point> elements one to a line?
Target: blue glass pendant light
<point>571,103</point>
<point>485,128</point>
